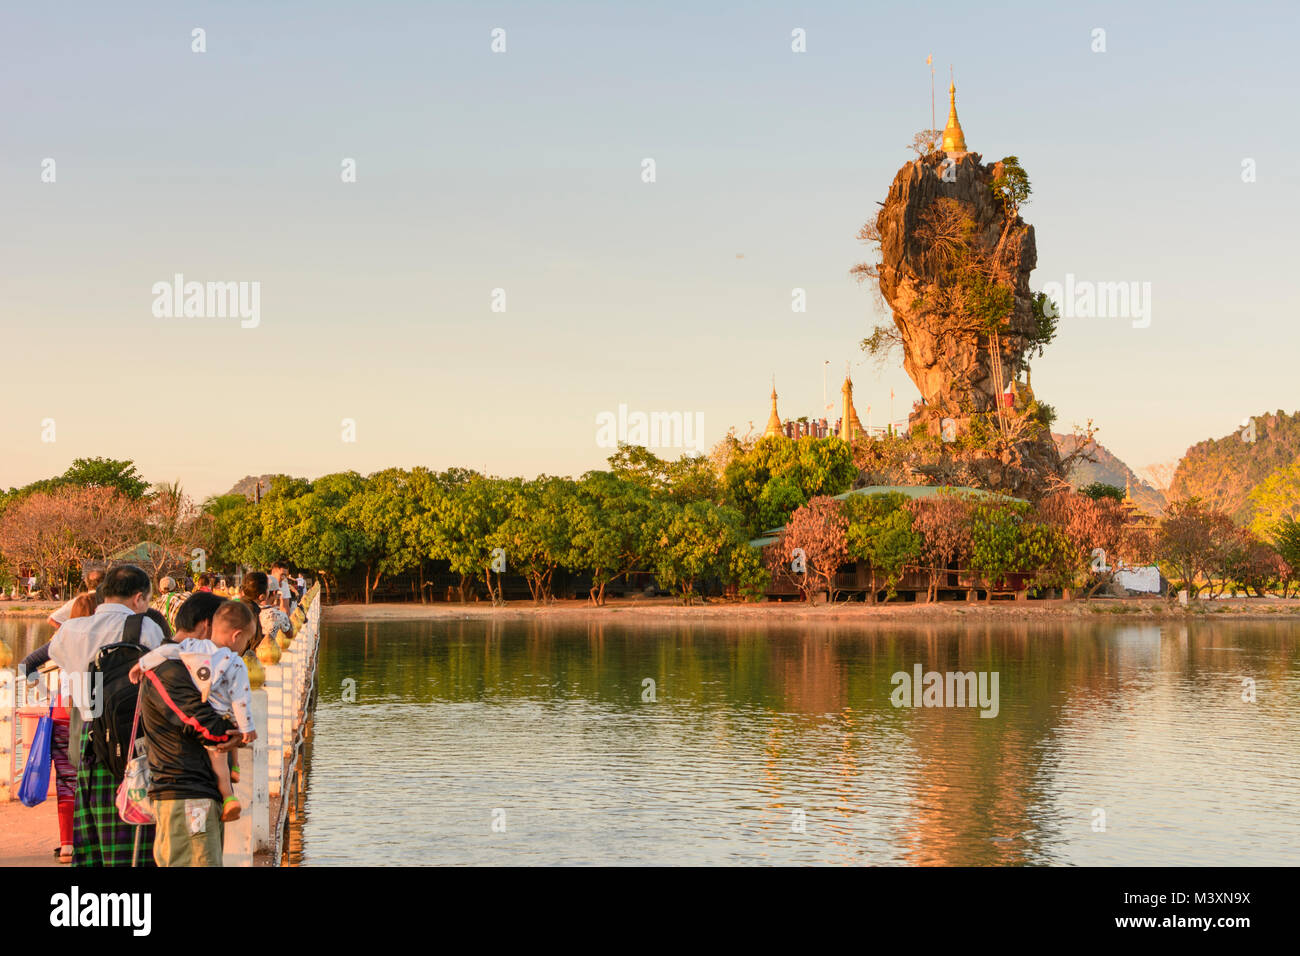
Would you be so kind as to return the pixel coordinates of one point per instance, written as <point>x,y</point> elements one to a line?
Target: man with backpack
<point>96,653</point>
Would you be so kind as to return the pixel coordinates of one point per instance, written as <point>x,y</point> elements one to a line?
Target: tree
<point>944,524</point>
<point>880,533</point>
<point>696,541</point>
<point>106,473</point>
<point>1243,559</point>
<point>1097,537</point>
<point>1276,499</point>
<point>1286,541</point>
<point>996,538</point>
<point>811,548</point>
<point>172,529</point>
<point>313,529</point>
<point>609,528</point>
<point>780,474</point>
<point>222,514</point>
<point>1188,542</point>
<point>1099,490</point>
<point>431,492</point>
<point>537,534</point>
<point>465,518</point>
<point>926,141</point>
<point>381,515</point>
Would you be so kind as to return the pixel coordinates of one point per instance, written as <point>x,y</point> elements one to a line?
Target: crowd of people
<point>167,669</point>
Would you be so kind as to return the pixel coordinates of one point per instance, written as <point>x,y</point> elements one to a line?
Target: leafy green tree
<point>381,516</point>
<point>1099,490</point>
<point>880,533</point>
<point>689,478</point>
<point>537,534</point>
<point>1286,541</point>
<point>996,538</point>
<point>779,475</point>
<point>106,473</point>
<point>610,537</point>
<point>224,514</point>
<point>1276,499</point>
<point>431,491</point>
<point>696,541</point>
<point>312,529</point>
<point>465,520</point>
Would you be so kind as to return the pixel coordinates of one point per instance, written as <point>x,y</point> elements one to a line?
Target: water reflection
<point>453,721</point>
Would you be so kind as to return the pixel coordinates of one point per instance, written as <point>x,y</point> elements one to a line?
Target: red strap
<point>190,721</point>
<point>135,722</point>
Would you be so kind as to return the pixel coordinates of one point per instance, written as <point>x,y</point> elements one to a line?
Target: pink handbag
<point>133,803</point>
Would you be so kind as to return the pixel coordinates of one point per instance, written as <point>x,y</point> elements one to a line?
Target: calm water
<point>457,724</point>
<point>455,721</point>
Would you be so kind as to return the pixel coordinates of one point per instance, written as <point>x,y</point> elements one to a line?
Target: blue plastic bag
<point>35,786</point>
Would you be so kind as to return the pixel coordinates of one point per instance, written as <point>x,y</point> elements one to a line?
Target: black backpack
<point>110,730</point>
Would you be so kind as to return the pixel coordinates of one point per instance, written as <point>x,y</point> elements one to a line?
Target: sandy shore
<point>772,613</point>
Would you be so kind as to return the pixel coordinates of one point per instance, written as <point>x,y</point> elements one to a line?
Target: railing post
<point>260,809</point>
<point>287,708</point>
<point>274,727</point>
<point>8,732</point>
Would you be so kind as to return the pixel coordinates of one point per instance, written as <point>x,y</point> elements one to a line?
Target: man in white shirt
<point>93,580</point>
<point>100,838</point>
<point>74,646</point>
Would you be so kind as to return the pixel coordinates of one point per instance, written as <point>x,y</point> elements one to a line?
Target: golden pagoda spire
<point>774,429</point>
<point>954,140</point>
<point>850,424</point>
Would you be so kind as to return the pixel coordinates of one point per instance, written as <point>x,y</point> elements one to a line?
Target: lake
<point>518,743</point>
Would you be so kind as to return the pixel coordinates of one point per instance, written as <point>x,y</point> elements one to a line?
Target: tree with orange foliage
<point>816,536</point>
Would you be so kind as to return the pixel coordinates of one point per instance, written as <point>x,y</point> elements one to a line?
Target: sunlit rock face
<point>952,368</point>
<point>945,353</point>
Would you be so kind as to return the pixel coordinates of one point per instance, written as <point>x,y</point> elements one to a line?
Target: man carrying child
<point>187,717</point>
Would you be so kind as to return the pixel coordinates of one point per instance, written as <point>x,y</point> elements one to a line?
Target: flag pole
<point>929,61</point>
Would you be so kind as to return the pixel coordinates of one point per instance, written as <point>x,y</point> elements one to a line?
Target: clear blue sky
<point>522,171</point>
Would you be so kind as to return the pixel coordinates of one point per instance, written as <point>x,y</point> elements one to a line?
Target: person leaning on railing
<point>271,618</point>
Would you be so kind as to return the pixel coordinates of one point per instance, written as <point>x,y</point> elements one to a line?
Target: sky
<point>523,171</point>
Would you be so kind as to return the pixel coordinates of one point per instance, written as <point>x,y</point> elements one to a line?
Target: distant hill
<point>1109,470</point>
<point>245,486</point>
<point>1222,471</point>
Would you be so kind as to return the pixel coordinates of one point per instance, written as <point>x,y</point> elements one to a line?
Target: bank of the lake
<point>771,613</point>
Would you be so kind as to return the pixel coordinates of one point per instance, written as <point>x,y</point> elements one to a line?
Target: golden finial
<point>954,140</point>
<point>850,424</point>
<point>774,429</point>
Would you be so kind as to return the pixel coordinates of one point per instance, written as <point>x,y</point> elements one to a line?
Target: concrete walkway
<point>28,836</point>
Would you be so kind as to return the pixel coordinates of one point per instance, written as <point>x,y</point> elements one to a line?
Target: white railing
<point>21,704</point>
<point>271,778</point>
<point>271,788</point>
